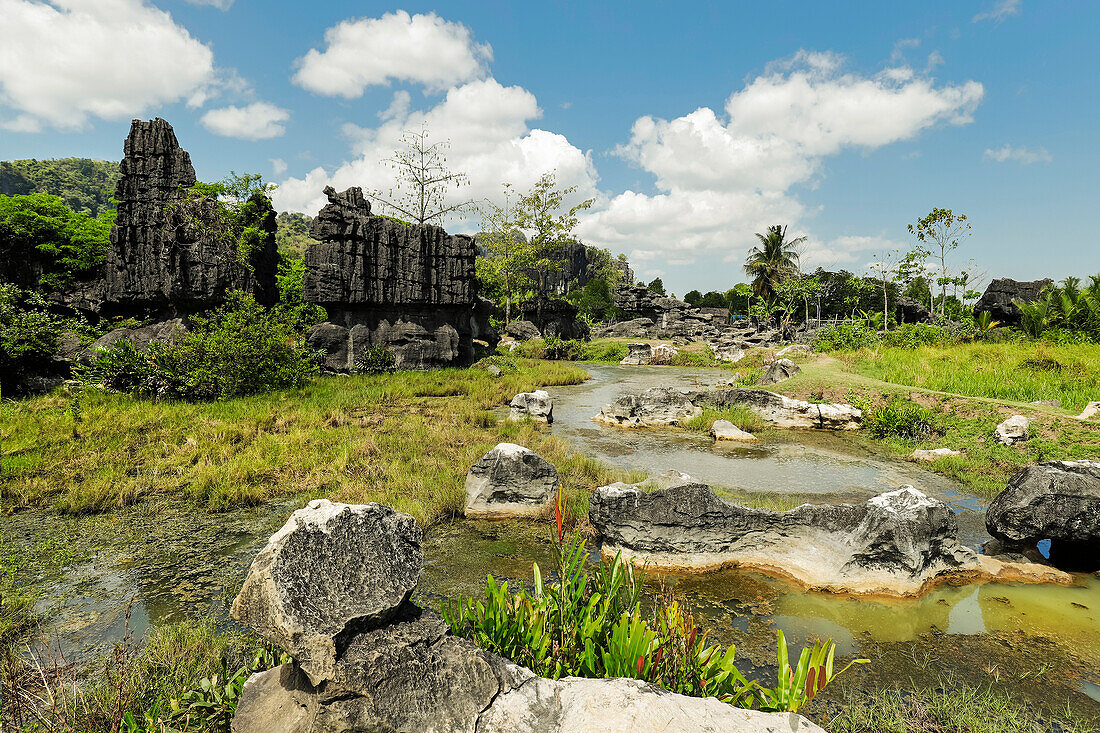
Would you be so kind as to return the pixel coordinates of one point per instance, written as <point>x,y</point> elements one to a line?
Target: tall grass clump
<point>898,418</point>
<point>740,415</point>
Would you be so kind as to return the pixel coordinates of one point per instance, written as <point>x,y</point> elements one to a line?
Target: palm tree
<point>773,261</point>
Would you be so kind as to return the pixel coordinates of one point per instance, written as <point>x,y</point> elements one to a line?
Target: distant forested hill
<point>82,183</point>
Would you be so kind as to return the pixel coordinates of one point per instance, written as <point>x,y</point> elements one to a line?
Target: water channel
<point>158,564</point>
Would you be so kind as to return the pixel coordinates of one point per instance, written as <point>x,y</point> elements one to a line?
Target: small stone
<point>778,371</point>
<point>725,430</point>
<point>1013,430</point>
<point>536,405</point>
<point>509,481</point>
<point>1091,410</point>
<point>494,370</point>
<point>932,454</point>
<point>1048,403</point>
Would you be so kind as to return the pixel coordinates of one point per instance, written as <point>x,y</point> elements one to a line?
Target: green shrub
<point>557,349</point>
<point>912,335</point>
<point>845,336</point>
<point>291,308</point>
<point>592,626</point>
<point>899,418</point>
<point>29,334</point>
<point>376,360</point>
<point>239,349</point>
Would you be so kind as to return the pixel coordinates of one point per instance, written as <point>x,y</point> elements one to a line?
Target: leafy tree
<point>29,334</point>
<point>423,184</point>
<point>244,214</point>
<point>292,308</point>
<point>292,234</point>
<point>774,260</point>
<point>541,213</point>
<point>693,297</point>
<point>942,229</point>
<point>42,237</point>
<point>742,291</point>
<point>656,285</point>
<point>510,256</point>
<point>594,300</point>
<point>83,184</point>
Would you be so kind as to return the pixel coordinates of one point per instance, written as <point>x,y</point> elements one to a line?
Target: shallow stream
<point>160,563</point>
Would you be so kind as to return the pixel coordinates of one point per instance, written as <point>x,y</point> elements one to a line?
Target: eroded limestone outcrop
<point>900,543</point>
<point>509,481</point>
<point>410,289</point>
<point>403,671</point>
<point>999,298</point>
<point>168,252</point>
<point>537,405</point>
<point>655,406</point>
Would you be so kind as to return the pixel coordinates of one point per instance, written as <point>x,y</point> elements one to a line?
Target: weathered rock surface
<point>536,405</point>
<point>637,354</point>
<point>998,299</point>
<point>407,673</point>
<point>332,570</point>
<point>1054,500</point>
<point>410,289</point>
<point>509,481</point>
<point>165,332</point>
<point>778,371</point>
<point>167,252</point>
<point>1013,430</point>
<point>522,330</point>
<point>783,411</point>
<point>663,354</point>
<point>932,454</point>
<point>794,349</point>
<point>907,310</point>
<point>553,317</point>
<point>725,430</point>
<point>729,353</point>
<point>899,543</point>
<point>654,406</point>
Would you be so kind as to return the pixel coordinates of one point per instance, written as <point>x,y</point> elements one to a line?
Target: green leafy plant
<point>898,418</point>
<point>376,360</point>
<point>591,625</point>
<point>845,336</point>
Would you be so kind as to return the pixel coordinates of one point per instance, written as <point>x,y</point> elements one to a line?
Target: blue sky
<point>691,124</point>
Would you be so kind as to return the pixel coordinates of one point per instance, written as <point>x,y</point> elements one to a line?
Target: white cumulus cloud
<point>1018,155</point>
<point>64,61</point>
<point>257,121</point>
<point>422,49</point>
<point>722,177</point>
<point>491,141</point>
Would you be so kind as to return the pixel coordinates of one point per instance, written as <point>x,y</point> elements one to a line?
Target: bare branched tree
<point>423,184</point>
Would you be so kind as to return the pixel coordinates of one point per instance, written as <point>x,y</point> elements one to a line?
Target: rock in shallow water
<point>655,406</point>
<point>332,569</point>
<point>1057,501</point>
<point>900,543</point>
<point>509,481</point>
<point>784,412</point>
<point>725,430</point>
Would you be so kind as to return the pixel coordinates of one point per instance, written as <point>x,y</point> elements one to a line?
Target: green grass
<point>406,440</point>
<point>740,415</point>
<point>1019,372</point>
<point>951,708</point>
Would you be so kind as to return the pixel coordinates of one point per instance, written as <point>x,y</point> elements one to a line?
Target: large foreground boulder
<point>1057,501</point>
<point>306,594</point>
<point>900,543</point>
<point>509,481</point>
<point>405,672</point>
<point>654,407</point>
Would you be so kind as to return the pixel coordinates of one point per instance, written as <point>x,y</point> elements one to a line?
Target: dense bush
<point>1064,310</point>
<point>898,418</point>
<point>592,626</point>
<point>239,349</point>
<point>291,308</point>
<point>41,237</point>
<point>376,360</point>
<point>912,335</point>
<point>845,336</point>
<point>29,334</point>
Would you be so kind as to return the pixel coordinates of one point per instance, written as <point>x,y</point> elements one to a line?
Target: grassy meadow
<point>406,440</point>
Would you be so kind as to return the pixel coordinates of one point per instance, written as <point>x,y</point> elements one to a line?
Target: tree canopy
<point>772,261</point>
<point>83,184</point>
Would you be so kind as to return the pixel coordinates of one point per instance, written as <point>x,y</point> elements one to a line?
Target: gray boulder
<point>165,332</point>
<point>509,481</point>
<point>537,405</point>
<point>655,406</point>
<point>637,354</point>
<point>899,543</point>
<point>637,328</point>
<point>522,330</point>
<point>1055,500</point>
<point>779,370</point>
<point>1000,298</point>
<point>783,411</point>
<point>1013,430</point>
<point>302,592</point>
